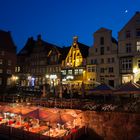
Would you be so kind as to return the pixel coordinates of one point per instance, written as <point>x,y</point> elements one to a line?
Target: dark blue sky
<point>59,20</point>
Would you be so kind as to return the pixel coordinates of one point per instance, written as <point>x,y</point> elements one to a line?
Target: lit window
<point>63,72</point>
<point>1,70</point>
<point>69,71</point>
<point>8,81</point>
<point>18,69</point>
<point>126,64</point>
<point>76,71</point>
<point>0,81</point>
<point>9,62</point>
<point>80,71</point>
<point>91,69</point>
<point>1,61</point>
<point>138,46</point>
<point>56,69</point>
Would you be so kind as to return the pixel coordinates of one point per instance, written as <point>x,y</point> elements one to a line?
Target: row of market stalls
<point>52,123</point>
<point>127,88</point>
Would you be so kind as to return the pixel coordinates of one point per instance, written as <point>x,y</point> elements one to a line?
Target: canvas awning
<point>128,88</point>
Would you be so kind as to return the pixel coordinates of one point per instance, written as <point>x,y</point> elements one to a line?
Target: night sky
<point>59,20</point>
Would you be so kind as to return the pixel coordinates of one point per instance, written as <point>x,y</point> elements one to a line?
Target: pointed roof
<point>102,89</point>
<point>64,52</point>
<point>84,49</point>
<point>137,14</point>
<point>114,40</point>
<point>102,29</point>
<point>31,44</point>
<point>6,41</point>
<point>28,47</point>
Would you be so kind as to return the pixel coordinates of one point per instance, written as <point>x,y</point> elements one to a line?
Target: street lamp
<point>47,76</point>
<point>14,79</point>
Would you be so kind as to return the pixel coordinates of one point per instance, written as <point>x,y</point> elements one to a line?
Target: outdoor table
<point>1,118</point>
<point>38,129</point>
<point>55,132</point>
<point>10,122</point>
<point>16,126</point>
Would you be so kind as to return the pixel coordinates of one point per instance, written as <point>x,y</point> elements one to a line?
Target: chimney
<point>39,37</point>
<point>39,40</point>
<point>31,38</point>
<point>75,39</point>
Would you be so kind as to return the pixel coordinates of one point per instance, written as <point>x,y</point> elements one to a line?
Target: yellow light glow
<point>47,76</point>
<point>53,76</point>
<point>14,78</point>
<point>135,70</point>
<point>69,77</point>
<point>29,77</point>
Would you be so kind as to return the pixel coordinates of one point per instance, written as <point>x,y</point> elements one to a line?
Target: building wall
<point>41,59</point>
<point>104,55</point>
<point>129,50</point>
<point>74,66</point>
<point>112,125</point>
<point>74,57</point>
<point>7,60</point>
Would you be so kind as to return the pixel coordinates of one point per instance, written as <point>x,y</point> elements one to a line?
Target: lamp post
<point>47,82</point>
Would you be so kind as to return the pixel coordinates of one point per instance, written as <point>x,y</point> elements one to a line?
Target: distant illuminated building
<point>74,65</point>
<point>35,60</point>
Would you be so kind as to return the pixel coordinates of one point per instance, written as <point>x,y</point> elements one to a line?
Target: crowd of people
<point>129,105</point>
